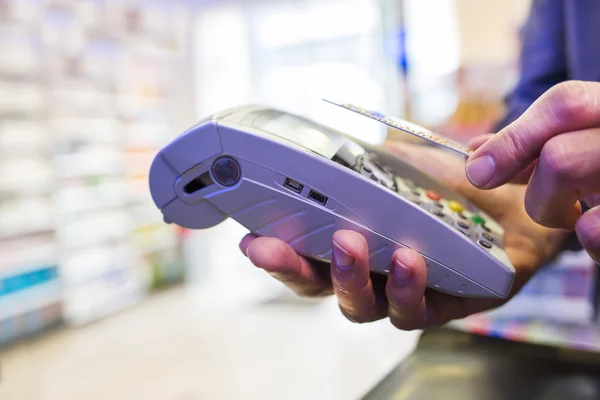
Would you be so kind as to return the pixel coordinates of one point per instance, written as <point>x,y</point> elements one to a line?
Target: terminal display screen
<point>306,134</point>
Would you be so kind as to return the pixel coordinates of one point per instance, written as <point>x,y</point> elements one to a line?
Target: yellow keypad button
<point>455,206</point>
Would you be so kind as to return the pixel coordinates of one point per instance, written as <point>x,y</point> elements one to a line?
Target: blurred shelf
<point>27,115</point>
<point>26,255</point>
<point>82,212</point>
<point>22,197</point>
<point>26,234</point>
<point>19,77</point>
<point>114,240</point>
<point>535,331</point>
<point>86,105</point>
<point>19,192</point>
<point>100,298</point>
<point>6,155</point>
<point>110,273</point>
<point>31,323</point>
<point>29,299</point>
<point>88,180</point>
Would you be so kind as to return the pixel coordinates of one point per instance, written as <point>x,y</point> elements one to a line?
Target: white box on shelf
<point>76,198</point>
<point>91,130</point>
<point>90,161</point>
<point>23,137</point>
<point>25,254</point>
<point>35,175</point>
<point>26,216</point>
<point>21,98</point>
<point>88,264</point>
<point>95,228</point>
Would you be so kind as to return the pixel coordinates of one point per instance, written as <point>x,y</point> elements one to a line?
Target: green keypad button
<point>478,219</point>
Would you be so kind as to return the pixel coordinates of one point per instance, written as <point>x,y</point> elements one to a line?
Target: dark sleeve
<point>542,58</point>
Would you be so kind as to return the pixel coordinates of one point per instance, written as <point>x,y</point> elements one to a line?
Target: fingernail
<point>342,258</point>
<point>481,170</point>
<point>402,273</point>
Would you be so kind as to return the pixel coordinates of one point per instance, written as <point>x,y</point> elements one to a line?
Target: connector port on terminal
<point>317,197</point>
<point>293,185</point>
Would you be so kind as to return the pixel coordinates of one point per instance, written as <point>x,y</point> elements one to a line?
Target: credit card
<point>408,127</point>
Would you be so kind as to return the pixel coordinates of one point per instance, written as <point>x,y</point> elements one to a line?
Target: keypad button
<point>463,225</point>
<point>374,178</point>
<point>439,205</point>
<point>485,244</point>
<point>455,206</point>
<point>487,237</point>
<point>433,195</point>
<point>462,216</point>
<point>367,169</point>
<point>485,228</point>
<point>478,219</point>
<point>414,199</point>
<point>439,213</point>
<point>416,193</point>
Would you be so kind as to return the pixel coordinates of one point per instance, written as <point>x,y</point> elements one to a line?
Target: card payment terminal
<point>282,175</point>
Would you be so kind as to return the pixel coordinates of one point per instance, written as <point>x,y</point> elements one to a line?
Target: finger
<point>522,177</point>
<point>351,278</point>
<point>567,107</point>
<point>588,232</point>
<point>442,308</point>
<point>406,289</point>
<point>245,242</point>
<point>281,262</point>
<point>413,306</point>
<point>478,141</point>
<point>592,200</point>
<point>568,170</point>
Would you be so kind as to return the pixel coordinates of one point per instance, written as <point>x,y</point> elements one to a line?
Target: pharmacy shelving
<point>84,104</point>
<point>30,291</point>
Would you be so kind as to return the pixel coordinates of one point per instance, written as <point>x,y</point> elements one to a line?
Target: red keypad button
<point>433,195</point>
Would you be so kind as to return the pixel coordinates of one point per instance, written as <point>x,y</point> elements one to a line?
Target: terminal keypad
<point>455,214</point>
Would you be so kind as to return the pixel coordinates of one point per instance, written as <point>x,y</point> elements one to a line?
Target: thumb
<point>478,141</point>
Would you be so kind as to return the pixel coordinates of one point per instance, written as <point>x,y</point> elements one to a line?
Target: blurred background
<point>100,299</point>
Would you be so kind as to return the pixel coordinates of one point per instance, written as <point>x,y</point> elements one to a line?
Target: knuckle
<point>342,289</point>
<point>353,316</point>
<point>348,284</point>
<point>404,302</point>
<point>569,100</point>
<point>516,143</point>
<point>558,160</point>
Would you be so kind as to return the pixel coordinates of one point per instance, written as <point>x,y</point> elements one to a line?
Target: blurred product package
<point>557,307</point>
